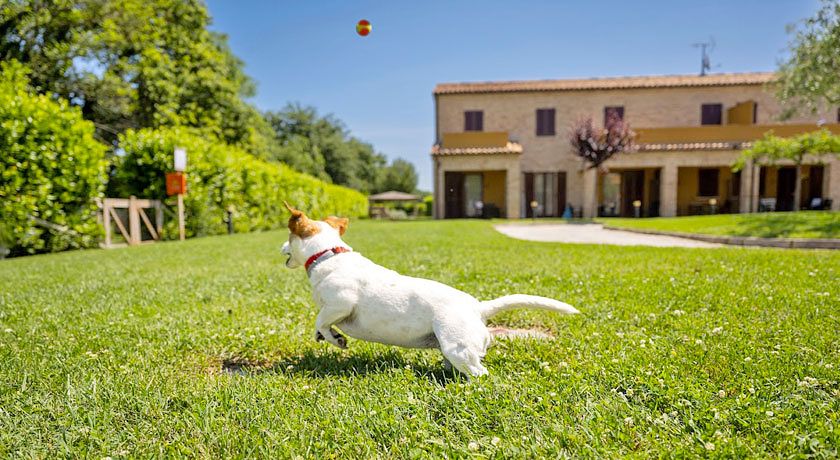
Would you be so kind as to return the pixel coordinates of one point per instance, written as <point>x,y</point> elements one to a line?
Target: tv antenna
<point>705,49</point>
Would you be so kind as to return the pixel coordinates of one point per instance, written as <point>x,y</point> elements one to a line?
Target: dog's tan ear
<point>299,224</point>
<point>338,223</point>
<point>295,212</point>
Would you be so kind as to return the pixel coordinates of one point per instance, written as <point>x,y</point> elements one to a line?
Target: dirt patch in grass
<point>502,332</point>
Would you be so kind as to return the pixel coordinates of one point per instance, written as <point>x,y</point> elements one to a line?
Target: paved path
<point>595,234</point>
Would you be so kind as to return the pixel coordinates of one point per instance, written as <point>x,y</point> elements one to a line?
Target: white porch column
<point>440,193</point>
<point>831,182</point>
<point>590,192</point>
<point>513,189</point>
<point>668,191</point>
<point>747,199</point>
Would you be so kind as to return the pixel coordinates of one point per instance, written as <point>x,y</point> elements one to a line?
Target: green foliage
<point>429,204</point>
<point>322,147</point>
<point>51,168</point>
<point>810,79</point>
<point>205,349</point>
<point>399,176</point>
<point>772,148</point>
<point>220,176</point>
<point>136,64</point>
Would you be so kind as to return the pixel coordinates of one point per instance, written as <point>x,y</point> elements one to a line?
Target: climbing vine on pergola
<point>772,149</point>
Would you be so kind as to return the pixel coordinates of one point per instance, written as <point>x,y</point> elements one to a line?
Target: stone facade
<point>514,112</point>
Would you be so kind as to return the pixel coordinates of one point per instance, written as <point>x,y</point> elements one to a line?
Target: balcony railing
<point>724,133</point>
<point>480,139</point>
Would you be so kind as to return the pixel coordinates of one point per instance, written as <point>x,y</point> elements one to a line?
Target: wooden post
<point>159,218</point>
<point>181,230</point>
<point>133,221</point>
<point>106,217</point>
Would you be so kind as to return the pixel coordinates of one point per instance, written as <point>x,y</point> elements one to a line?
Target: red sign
<point>176,183</point>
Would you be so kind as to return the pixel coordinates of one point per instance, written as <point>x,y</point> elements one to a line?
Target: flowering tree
<point>772,149</point>
<point>597,145</point>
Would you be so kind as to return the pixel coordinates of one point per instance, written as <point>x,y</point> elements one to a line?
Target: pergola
<point>392,196</point>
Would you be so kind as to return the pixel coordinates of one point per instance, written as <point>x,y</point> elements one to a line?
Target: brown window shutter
<point>711,114</point>
<point>529,194</point>
<point>550,122</point>
<point>561,193</point>
<point>618,110</point>
<point>473,120</point>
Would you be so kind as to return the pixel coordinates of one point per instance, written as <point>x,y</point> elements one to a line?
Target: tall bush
<point>220,176</point>
<point>52,169</point>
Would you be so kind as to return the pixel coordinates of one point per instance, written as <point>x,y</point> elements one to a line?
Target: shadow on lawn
<point>332,364</point>
<point>782,225</point>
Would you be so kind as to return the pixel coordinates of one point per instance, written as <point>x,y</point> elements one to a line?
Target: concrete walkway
<point>595,234</point>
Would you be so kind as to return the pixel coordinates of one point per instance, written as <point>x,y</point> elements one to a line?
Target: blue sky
<point>381,85</point>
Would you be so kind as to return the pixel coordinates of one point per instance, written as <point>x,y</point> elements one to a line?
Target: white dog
<point>370,302</point>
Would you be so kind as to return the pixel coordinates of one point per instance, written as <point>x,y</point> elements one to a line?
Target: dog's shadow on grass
<point>324,364</point>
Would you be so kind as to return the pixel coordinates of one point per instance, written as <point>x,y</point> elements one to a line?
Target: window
<point>613,113</point>
<point>545,122</point>
<point>473,120</point>
<point>736,183</point>
<point>548,190</point>
<point>707,182</point>
<point>711,114</point>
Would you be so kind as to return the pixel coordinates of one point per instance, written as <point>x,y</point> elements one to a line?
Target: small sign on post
<point>176,184</point>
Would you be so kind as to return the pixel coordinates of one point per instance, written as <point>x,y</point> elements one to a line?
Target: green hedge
<point>219,176</point>
<point>51,169</point>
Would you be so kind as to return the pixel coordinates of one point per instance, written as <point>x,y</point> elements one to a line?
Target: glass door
<point>472,194</point>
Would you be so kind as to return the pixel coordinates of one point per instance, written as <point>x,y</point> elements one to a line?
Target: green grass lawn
<point>679,352</point>
<point>804,224</point>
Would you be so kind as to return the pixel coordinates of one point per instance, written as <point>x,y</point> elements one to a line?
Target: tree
<point>597,145</point>
<point>52,170</point>
<point>321,146</point>
<point>810,78</point>
<point>400,176</point>
<point>135,63</point>
<point>772,149</point>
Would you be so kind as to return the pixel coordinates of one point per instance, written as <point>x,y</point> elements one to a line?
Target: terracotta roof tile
<point>662,81</point>
<point>676,146</point>
<point>510,148</point>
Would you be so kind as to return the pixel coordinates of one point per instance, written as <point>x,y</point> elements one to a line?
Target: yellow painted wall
<point>688,185</point>
<point>724,133</point>
<point>741,113</point>
<point>770,182</point>
<point>475,139</point>
<point>494,189</point>
<point>686,189</point>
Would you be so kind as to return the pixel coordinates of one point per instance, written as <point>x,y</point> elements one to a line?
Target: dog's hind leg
<point>462,353</point>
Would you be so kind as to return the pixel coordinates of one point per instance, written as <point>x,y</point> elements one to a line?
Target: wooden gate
<point>132,234</point>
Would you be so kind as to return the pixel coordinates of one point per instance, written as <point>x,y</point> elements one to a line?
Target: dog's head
<point>308,237</point>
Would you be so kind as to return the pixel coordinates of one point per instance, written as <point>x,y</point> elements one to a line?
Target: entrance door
<point>454,194</point>
<point>815,186</point>
<point>548,190</point>
<point>785,183</point>
<point>632,189</point>
<point>473,195</point>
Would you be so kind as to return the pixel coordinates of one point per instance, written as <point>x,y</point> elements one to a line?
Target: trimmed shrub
<point>220,176</point>
<point>52,170</point>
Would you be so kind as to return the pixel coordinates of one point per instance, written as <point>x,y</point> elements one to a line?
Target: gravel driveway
<point>594,234</point>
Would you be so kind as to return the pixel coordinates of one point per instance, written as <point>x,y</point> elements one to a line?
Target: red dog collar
<point>334,251</point>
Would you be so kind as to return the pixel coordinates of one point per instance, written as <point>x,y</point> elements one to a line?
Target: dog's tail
<point>489,308</point>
